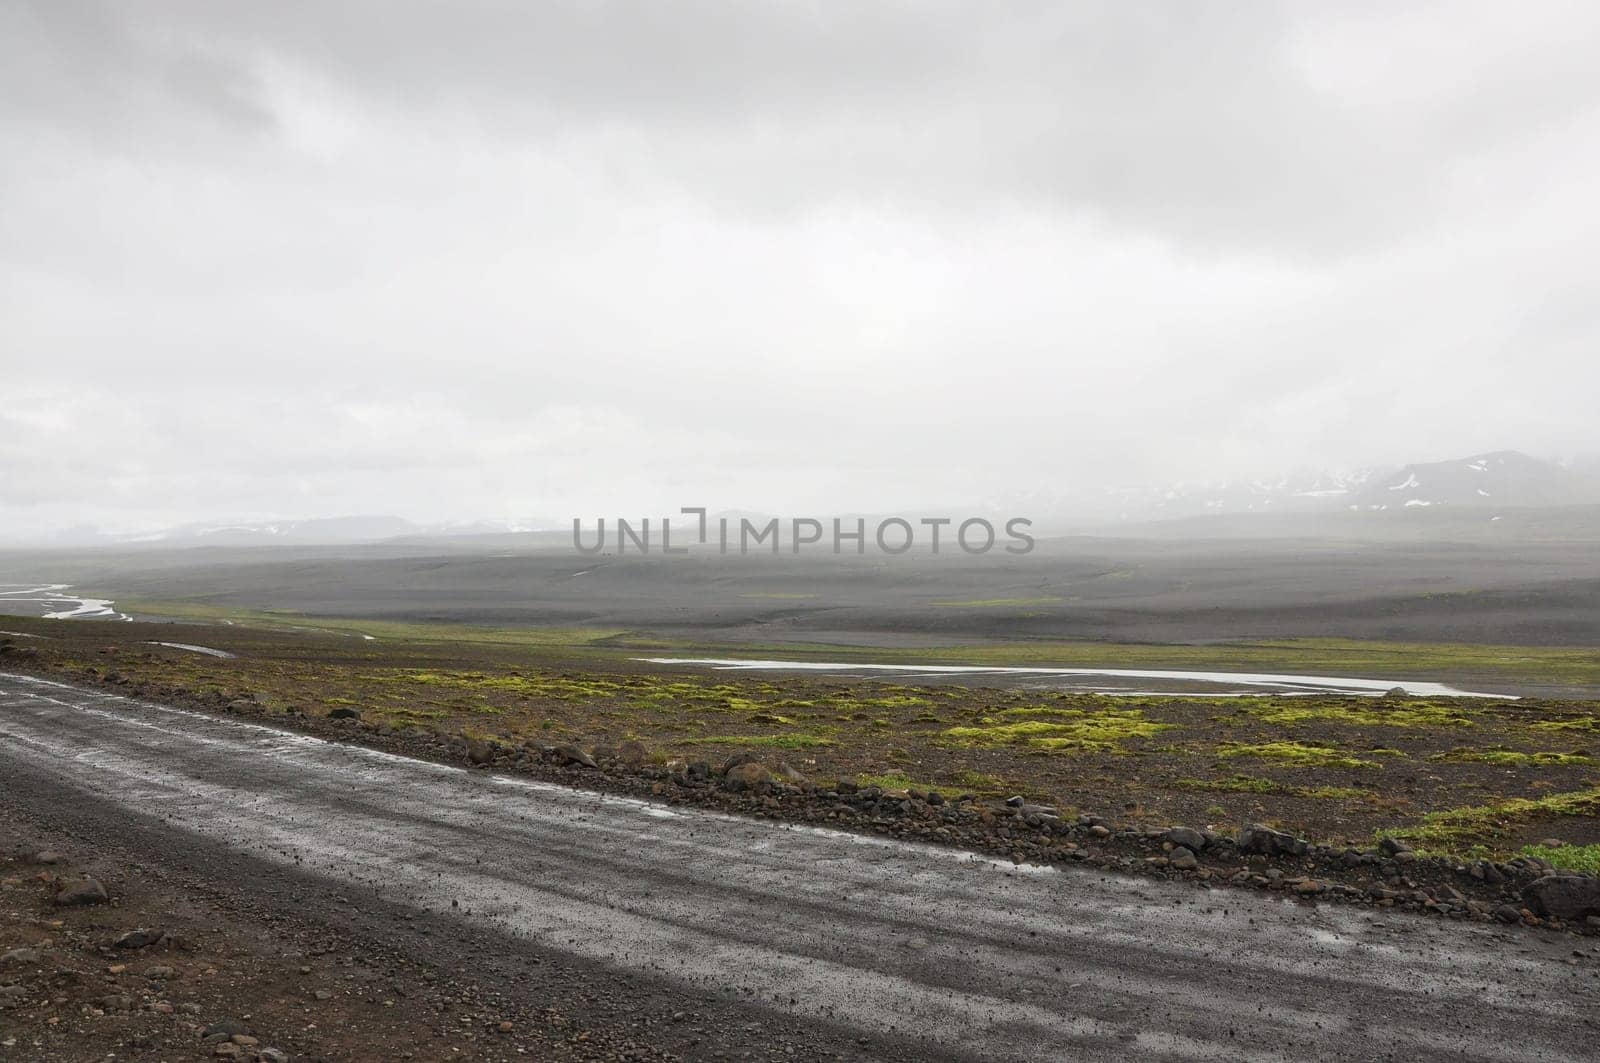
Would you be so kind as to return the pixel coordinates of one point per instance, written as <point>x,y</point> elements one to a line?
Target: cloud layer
<point>494,258</point>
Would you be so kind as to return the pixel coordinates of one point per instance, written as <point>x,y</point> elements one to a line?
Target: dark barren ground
<point>512,646</point>
<point>1527,592</point>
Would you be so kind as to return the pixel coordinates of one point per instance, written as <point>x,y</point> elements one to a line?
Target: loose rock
<point>1261,839</point>
<point>224,1029</point>
<point>1569,897</point>
<point>748,776</point>
<point>571,754</point>
<point>138,939</point>
<point>85,890</point>
<point>1187,837</point>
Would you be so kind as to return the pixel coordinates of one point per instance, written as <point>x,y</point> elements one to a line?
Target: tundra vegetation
<point>1457,775</point>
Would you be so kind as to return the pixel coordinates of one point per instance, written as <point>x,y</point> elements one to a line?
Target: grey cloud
<point>491,259</point>
<point>1197,123</point>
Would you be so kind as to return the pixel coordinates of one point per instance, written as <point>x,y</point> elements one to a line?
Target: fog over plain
<point>498,259</point>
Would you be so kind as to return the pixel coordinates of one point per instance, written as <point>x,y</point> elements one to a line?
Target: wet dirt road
<point>933,952</point>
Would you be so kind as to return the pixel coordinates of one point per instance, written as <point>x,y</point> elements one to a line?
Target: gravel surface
<point>788,940</point>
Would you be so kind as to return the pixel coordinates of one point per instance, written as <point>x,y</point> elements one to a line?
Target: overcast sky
<point>476,259</point>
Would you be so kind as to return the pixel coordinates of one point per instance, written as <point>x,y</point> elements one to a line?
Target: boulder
<point>479,751</point>
<point>1183,858</point>
<point>81,891</point>
<point>344,712</point>
<point>749,776</point>
<point>1187,837</point>
<point>1392,846</point>
<point>790,774</point>
<point>1566,897</point>
<point>633,754</point>
<point>571,754</point>
<point>737,760</point>
<point>1261,839</point>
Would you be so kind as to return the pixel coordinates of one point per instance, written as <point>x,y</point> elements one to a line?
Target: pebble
<point>138,939</point>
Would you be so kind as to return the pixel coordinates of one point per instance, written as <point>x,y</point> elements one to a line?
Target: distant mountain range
<point>319,531</point>
<point>1498,480</point>
<point>1505,478</point>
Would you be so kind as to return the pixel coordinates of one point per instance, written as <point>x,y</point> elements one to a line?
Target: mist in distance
<point>487,261</point>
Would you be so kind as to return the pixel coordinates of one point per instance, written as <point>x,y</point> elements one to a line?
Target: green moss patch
<point>1384,712</point>
<point>1581,725</point>
<point>1499,755</point>
<point>1067,729</point>
<point>1300,754</point>
<point>1246,784</point>
<point>983,783</point>
<point>1466,829</point>
<point>1569,857</point>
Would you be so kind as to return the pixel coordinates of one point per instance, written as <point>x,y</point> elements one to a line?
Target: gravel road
<point>929,953</point>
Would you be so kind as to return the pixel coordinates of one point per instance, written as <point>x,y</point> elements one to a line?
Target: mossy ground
<point>1462,774</point>
<point>1299,754</point>
<point>1561,665</point>
<point>1573,857</point>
